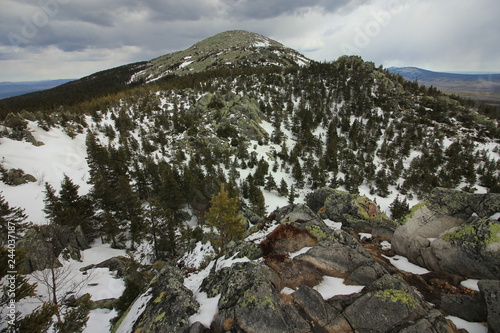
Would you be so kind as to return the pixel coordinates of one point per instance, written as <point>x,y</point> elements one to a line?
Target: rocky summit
<point>237,186</point>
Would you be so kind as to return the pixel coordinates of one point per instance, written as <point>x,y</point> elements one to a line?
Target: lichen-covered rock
<point>321,315</point>
<point>231,115</point>
<point>167,307</point>
<point>462,204</point>
<point>352,210</point>
<point>43,245</point>
<point>436,234</point>
<point>386,304</point>
<point>490,289</point>
<point>250,300</point>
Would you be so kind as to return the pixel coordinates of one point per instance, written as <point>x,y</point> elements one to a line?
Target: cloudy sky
<point>54,39</point>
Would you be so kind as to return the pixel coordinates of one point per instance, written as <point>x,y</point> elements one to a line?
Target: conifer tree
<point>399,208</point>
<point>292,195</point>
<point>283,189</point>
<point>270,183</point>
<point>69,208</point>
<point>223,216</point>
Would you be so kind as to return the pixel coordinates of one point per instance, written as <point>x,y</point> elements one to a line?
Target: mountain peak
<point>229,49</point>
<point>236,39</point>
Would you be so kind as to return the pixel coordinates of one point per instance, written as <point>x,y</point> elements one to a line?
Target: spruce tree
<point>399,208</point>
<point>283,189</point>
<point>270,183</point>
<point>223,216</point>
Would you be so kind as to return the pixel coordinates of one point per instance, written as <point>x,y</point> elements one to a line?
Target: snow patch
<point>135,312</point>
<point>298,253</point>
<point>332,286</point>
<point>404,264</point>
<point>470,327</point>
<point>207,311</point>
<point>333,225</point>
<point>471,284</point>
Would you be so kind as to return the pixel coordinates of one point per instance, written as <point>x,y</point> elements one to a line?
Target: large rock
<point>43,245</point>
<point>467,307</point>
<point>250,301</point>
<point>441,235</point>
<point>165,307</point>
<point>391,305</point>
<point>352,210</point>
<point>490,289</point>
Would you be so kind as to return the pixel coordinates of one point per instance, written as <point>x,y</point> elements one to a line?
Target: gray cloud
<point>446,33</point>
<point>265,9</point>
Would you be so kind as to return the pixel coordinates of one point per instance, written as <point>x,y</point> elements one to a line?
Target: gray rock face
<point>44,244</point>
<point>250,300</point>
<point>352,210</point>
<point>490,290</point>
<point>467,307</point>
<point>170,306</point>
<point>436,234</point>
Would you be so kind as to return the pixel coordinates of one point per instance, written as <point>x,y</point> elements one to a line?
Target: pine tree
<point>12,222</point>
<point>270,183</point>
<point>399,209</point>
<point>69,208</point>
<point>292,195</point>
<point>223,216</point>
<point>283,189</point>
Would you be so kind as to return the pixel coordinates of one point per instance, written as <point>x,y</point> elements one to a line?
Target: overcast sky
<point>55,39</point>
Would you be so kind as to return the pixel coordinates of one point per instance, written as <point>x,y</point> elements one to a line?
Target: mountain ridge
<point>227,50</point>
<point>483,88</point>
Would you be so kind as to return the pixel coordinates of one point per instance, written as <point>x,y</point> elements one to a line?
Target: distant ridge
<point>10,89</point>
<point>482,87</point>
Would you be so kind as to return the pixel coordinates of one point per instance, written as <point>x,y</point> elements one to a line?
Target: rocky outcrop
<point>16,177</point>
<point>352,210</point>
<point>279,291</point>
<point>165,306</point>
<point>232,115</point>
<point>44,244</point>
<point>441,235</point>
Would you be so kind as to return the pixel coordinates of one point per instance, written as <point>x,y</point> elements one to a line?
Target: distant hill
<point>482,87</point>
<point>10,89</point>
<point>230,50</point>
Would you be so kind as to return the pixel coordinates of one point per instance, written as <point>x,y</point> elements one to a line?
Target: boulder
<point>165,307</point>
<point>250,300</point>
<point>316,311</point>
<point>490,289</point>
<point>352,210</point>
<point>386,304</point>
<point>467,307</point>
<point>441,235</point>
<point>43,245</point>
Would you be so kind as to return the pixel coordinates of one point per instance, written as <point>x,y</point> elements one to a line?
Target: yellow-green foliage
<point>225,218</point>
<point>395,295</point>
